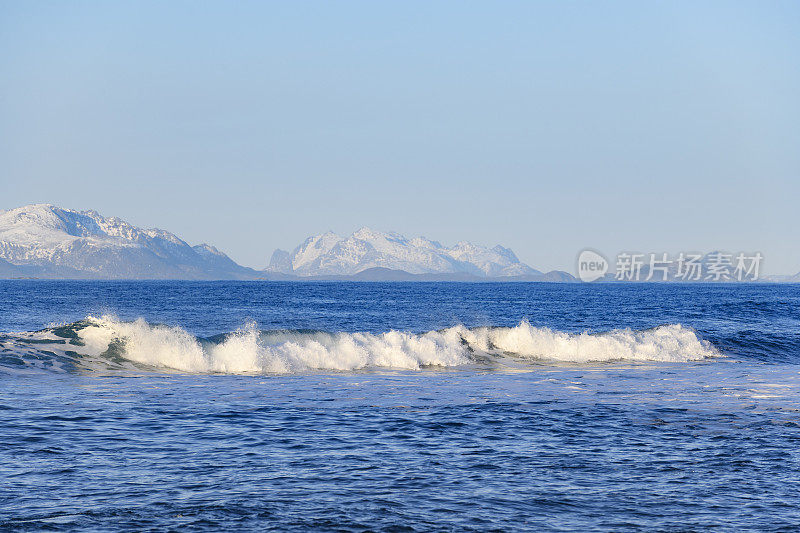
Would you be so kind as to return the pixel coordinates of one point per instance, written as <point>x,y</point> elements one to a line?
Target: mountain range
<point>47,241</point>
<point>329,254</point>
<point>43,240</point>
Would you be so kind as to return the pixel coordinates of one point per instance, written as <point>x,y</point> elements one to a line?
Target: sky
<point>547,127</point>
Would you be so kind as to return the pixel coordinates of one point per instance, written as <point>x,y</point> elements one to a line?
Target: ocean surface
<point>214,406</point>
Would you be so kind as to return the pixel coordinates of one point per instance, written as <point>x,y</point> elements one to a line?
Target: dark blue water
<point>312,417</point>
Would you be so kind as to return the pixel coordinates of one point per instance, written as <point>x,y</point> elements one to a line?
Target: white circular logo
<point>591,265</point>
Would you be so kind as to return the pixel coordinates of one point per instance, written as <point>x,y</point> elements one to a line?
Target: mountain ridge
<point>47,241</point>
<point>329,254</point>
<point>44,240</point>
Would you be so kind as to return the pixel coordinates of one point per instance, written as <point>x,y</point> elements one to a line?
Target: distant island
<point>46,241</point>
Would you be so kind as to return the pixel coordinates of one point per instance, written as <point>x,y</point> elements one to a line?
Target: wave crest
<point>249,350</point>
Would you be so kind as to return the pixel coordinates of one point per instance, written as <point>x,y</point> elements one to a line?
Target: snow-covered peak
<point>422,242</point>
<point>506,252</point>
<point>45,223</point>
<point>329,254</point>
<point>365,233</point>
<point>38,224</point>
<point>312,248</point>
<point>56,240</point>
<point>494,262</point>
<point>370,235</point>
<point>207,249</point>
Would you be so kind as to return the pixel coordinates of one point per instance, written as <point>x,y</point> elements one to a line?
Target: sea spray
<point>107,343</point>
<point>249,350</point>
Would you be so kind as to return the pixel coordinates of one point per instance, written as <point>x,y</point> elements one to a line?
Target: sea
<point>284,406</point>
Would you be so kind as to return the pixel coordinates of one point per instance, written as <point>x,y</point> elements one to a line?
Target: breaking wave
<point>106,342</point>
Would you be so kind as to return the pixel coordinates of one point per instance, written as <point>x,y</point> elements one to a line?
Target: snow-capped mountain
<point>48,241</point>
<point>329,254</point>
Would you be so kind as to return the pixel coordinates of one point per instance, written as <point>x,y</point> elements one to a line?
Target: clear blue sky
<point>545,126</point>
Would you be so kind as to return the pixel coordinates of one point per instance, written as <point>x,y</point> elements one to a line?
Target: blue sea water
<point>209,406</point>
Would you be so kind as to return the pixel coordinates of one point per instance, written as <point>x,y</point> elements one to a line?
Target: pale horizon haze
<point>545,127</point>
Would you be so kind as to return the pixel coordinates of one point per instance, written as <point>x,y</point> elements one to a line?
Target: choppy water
<point>398,407</point>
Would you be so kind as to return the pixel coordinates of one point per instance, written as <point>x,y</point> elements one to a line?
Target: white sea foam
<point>250,351</point>
<point>671,343</point>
